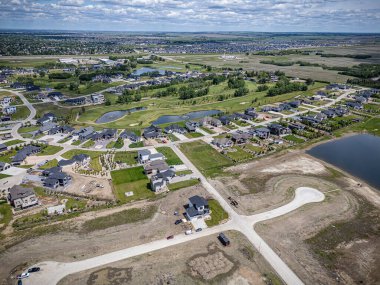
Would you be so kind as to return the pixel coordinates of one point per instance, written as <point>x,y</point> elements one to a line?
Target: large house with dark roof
<point>197,208</point>
<point>21,198</point>
<point>152,132</point>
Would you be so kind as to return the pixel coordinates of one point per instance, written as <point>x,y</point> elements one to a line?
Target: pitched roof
<point>19,192</point>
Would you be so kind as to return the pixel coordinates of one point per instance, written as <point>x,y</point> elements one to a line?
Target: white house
<point>8,110</point>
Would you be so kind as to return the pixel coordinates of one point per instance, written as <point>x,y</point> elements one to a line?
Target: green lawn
<point>66,139</point>
<point>238,155</point>
<point>171,157</point>
<point>50,150</point>
<point>49,164</point>
<point>193,135</point>
<point>4,175</point>
<point>77,142</point>
<point>183,184</point>
<point>183,172</point>
<point>28,129</point>
<point>94,163</point>
<point>5,214</point>
<point>207,130</point>
<point>88,144</point>
<point>119,143</point>
<point>128,157</point>
<point>22,113</point>
<point>124,217</point>
<point>13,142</point>
<point>371,125</point>
<point>293,138</point>
<point>7,156</point>
<point>131,179</point>
<point>136,145</point>
<point>217,213</point>
<point>253,148</point>
<point>205,158</point>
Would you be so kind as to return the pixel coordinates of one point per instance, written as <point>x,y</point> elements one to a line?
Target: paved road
<point>51,271</point>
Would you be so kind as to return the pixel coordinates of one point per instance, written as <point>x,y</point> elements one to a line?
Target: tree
<point>42,73</point>
<point>309,81</point>
<point>108,102</point>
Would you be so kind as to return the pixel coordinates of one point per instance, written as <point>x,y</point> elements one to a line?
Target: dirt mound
<point>211,265</point>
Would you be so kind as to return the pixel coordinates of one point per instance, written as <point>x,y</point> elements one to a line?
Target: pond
<point>358,155</point>
<point>114,115</point>
<point>143,70</point>
<point>188,116</point>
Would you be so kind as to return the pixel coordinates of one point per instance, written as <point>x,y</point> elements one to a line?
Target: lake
<point>143,70</point>
<point>114,115</point>
<point>358,155</point>
<point>188,116</point>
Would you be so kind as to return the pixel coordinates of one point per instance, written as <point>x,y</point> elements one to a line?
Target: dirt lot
<point>91,186</point>
<point>333,242</point>
<point>202,261</point>
<point>68,243</point>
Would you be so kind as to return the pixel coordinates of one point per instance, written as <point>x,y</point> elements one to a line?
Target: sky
<point>358,16</point>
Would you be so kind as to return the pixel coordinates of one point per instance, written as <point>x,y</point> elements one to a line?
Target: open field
<point>171,157</point>
<point>183,184</point>
<point>204,261</point>
<point>49,150</point>
<point>13,142</point>
<point>201,154</point>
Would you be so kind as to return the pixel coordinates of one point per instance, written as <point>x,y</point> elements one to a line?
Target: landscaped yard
<point>206,159</point>
<point>128,157</point>
<point>7,156</point>
<point>294,139</point>
<point>131,180</point>
<point>13,142</point>
<point>171,157</point>
<point>183,184</point>
<point>22,113</point>
<point>119,143</point>
<point>49,164</point>
<point>136,144</point>
<point>94,163</point>
<point>88,144</point>
<point>50,150</point>
<point>217,213</point>
<point>193,135</point>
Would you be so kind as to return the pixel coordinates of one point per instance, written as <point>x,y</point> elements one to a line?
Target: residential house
<point>159,181</point>
<point>51,183</point>
<point>45,128</point>
<point>295,126</point>
<point>21,198</point>
<point>55,95</point>
<point>32,88</point>
<point>174,128</point>
<point>47,118</point>
<point>66,129</point>
<point>225,120</point>
<point>22,154</point>
<point>3,147</point>
<point>155,167</point>
<point>17,85</point>
<point>8,110</point>
<point>211,121</point>
<point>130,135</point>
<point>295,104</point>
<point>262,133</point>
<point>79,159</point>
<point>329,113</point>
<point>152,132</point>
<point>240,138</point>
<point>6,101</point>
<point>62,178</point>
<point>222,142</point>
<point>76,101</point>
<point>97,98</point>
<point>84,133</point>
<point>277,129</point>
<point>51,170</point>
<point>191,126</point>
<point>4,166</point>
<point>197,208</point>
<point>354,105</point>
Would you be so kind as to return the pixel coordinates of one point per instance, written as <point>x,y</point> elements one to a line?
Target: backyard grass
<point>119,143</point>
<point>124,217</point>
<point>50,150</point>
<point>28,129</point>
<point>136,144</point>
<point>217,213</point>
<point>183,172</point>
<point>183,184</point>
<point>22,112</point>
<point>88,144</point>
<point>94,163</point>
<point>77,142</point>
<point>13,142</point>
<point>7,156</point>
<point>131,179</point>
<point>128,157</point>
<point>4,175</point>
<point>49,164</point>
<point>206,159</point>
<point>253,148</point>
<point>5,214</point>
<point>238,155</point>
<point>193,135</point>
<point>171,157</point>
<point>294,139</point>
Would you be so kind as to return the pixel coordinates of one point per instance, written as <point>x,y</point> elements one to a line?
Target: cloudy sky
<point>193,15</point>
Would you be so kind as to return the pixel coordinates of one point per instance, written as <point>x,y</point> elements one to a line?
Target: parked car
<point>188,232</point>
<point>19,282</point>
<point>177,222</point>
<point>170,237</point>
<point>33,269</point>
<point>23,275</point>
<point>198,230</point>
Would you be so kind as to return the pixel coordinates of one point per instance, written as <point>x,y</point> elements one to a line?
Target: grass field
<point>136,145</point>
<point>119,143</point>
<point>294,139</point>
<point>193,135</point>
<point>22,112</point>
<point>217,213</point>
<point>28,129</point>
<point>13,142</point>
<point>49,164</point>
<point>238,155</point>
<point>131,179</point>
<point>5,214</point>
<point>4,175</point>
<point>7,156</point>
<point>183,184</point>
<point>50,150</point>
<point>124,217</point>
<point>94,163</point>
<point>205,158</point>
<point>88,144</point>
<point>128,157</point>
<point>171,157</point>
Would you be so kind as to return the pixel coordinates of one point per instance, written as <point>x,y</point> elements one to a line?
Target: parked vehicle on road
<point>198,230</point>
<point>34,269</point>
<point>177,222</point>
<point>170,237</point>
<point>23,275</point>
<point>188,232</point>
